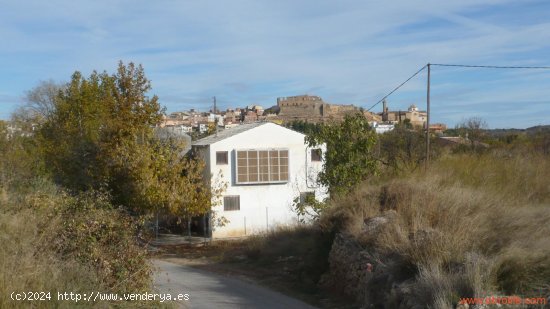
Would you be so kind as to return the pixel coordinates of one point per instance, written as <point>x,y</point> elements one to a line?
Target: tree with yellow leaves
<point>100,136</point>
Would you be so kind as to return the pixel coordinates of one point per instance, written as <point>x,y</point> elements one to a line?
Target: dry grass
<point>290,259</point>
<point>470,225</point>
<point>42,250</point>
<point>25,265</point>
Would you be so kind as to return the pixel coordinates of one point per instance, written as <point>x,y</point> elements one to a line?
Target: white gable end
<point>265,199</point>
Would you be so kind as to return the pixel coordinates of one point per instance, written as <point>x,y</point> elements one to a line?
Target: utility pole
<point>215,118</point>
<point>428,120</point>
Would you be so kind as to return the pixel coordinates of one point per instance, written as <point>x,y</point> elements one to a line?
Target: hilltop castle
<point>311,108</point>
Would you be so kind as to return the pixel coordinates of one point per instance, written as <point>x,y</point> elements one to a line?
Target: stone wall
<point>311,109</point>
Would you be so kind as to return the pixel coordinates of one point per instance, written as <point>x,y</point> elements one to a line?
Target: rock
<point>371,225</point>
<point>374,279</point>
<point>349,267</point>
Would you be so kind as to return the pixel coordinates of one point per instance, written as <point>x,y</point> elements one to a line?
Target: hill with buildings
<point>304,108</point>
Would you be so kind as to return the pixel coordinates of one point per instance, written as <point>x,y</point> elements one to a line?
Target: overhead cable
<point>396,88</point>
<point>490,66</point>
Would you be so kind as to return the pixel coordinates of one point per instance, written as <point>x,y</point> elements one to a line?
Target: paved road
<point>210,291</point>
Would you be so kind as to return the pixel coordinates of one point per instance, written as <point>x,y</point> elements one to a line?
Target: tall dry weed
<point>25,265</point>
<point>472,224</point>
<point>52,242</point>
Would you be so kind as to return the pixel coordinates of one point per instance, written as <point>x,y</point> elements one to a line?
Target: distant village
<point>307,108</point>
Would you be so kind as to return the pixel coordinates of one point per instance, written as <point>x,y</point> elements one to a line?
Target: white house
<point>203,127</point>
<point>382,127</point>
<point>265,166</point>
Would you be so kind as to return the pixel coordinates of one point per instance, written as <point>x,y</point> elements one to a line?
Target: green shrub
<point>104,238</point>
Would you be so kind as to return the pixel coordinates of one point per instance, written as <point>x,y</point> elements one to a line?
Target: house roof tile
<point>226,133</point>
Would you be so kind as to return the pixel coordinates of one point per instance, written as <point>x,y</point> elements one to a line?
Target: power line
<point>428,90</point>
<point>459,65</point>
<point>396,88</point>
<point>490,66</point>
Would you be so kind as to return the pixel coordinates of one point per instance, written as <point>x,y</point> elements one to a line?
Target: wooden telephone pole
<point>428,120</point>
<point>215,118</point>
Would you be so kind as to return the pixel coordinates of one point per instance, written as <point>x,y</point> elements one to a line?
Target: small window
<point>231,202</point>
<point>316,154</point>
<point>221,157</point>
<point>306,197</point>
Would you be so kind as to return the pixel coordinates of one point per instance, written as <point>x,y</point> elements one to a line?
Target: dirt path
<point>212,290</point>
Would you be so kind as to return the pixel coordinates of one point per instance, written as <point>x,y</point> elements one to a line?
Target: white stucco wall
<point>263,206</point>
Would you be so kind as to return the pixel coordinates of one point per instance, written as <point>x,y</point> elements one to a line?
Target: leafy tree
<point>407,124</point>
<point>349,158</point>
<point>304,126</point>
<point>181,184</point>
<point>100,137</point>
<point>3,150</point>
<point>307,207</point>
<point>70,136</point>
<point>541,142</point>
<point>199,199</point>
<point>211,128</point>
<point>3,134</point>
<point>403,149</point>
<point>474,128</point>
<point>20,160</point>
<point>40,101</point>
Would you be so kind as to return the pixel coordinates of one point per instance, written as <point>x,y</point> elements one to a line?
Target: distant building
<point>19,129</point>
<point>175,119</point>
<point>307,108</point>
<point>438,128</point>
<point>372,117</point>
<point>383,127</point>
<point>231,117</point>
<point>416,117</point>
<point>186,129</point>
<point>311,109</point>
<point>250,116</point>
<point>257,109</point>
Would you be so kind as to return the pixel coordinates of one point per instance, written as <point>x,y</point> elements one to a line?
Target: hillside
<point>530,130</point>
<point>471,226</point>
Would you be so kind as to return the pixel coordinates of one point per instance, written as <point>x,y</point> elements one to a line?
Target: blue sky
<point>244,52</point>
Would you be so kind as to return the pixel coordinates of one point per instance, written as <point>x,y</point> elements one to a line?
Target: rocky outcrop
<point>372,279</point>
<point>372,225</point>
<point>350,267</point>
